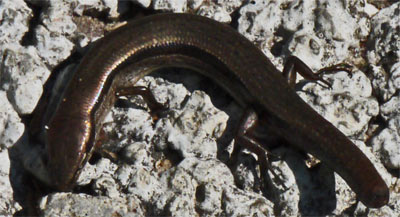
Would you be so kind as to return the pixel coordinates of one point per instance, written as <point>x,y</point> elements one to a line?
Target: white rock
<point>67,204</point>
<point>24,84</point>
<point>383,50</point>
<point>348,106</point>
<point>57,18</point>
<point>242,203</point>
<point>14,16</point>
<point>304,29</point>
<point>215,12</point>
<point>177,6</point>
<point>384,54</point>
<point>52,47</point>
<point>219,10</point>
<point>79,7</point>
<point>11,127</point>
<point>387,142</point>
<point>102,169</point>
<point>196,123</point>
<point>7,204</point>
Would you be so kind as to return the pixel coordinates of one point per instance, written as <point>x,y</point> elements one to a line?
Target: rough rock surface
<point>177,165</point>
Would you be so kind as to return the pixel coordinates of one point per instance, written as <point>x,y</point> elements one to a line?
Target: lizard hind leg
<point>251,136</point>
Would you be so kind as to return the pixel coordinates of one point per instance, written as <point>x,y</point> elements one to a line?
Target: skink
<point>215,50</point>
